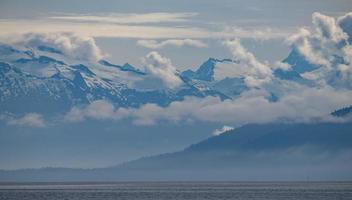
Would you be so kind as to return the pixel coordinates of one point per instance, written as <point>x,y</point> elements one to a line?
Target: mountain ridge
<point>250,151</point>
<point>79,83</point>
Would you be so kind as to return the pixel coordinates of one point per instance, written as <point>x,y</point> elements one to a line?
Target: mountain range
<point>37,80</point>
<point>44,80</point>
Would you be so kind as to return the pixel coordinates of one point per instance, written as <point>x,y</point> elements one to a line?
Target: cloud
<point>327,28</point>
<point>304,104</point>
<point>71,45</point>
<point>256,32</point>
<point>128,18</point>
<point>257,72</point>
<point>222,130</point>
<point>326,33</point>
<point>99,110</point>
<point>134,25</point>
<point>321,45</point>
<point>281,65</point>
<point>11,27</point>
<point>161,68</point>
<point>345,23</point>
<point>153,44</point>
<point>29,119</point>
<point>302,44</point>
<point>327,47</point>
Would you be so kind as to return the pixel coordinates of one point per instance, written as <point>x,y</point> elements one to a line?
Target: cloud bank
<point>153,44</point>
<point>129,18</point>
<point>157,25</point>
<point>100,110</point>
<point>303,105</point>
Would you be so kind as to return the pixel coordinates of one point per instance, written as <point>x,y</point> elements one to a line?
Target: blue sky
<point>187,32</point>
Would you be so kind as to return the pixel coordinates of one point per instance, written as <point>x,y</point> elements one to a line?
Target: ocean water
<point>177,191</point>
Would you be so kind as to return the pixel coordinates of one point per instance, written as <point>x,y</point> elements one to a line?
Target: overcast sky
<point>128,30</point>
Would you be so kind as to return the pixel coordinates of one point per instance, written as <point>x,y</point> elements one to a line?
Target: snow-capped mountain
<point>206,72</point>
<point>219,75</point>
<point>43,80</point>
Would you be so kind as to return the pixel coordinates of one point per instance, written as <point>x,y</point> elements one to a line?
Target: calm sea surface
<point>176,190</point>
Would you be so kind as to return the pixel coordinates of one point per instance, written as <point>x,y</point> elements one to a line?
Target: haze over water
<point>177,190</point>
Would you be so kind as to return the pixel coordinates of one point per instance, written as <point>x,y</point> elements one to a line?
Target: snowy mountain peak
<point>126,67</point>
<point>206,71</point>
<point>60,82</point>
<point>298,62</point>
<point>83,68</point>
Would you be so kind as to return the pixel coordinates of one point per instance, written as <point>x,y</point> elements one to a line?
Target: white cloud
<point>327,46</point>
<point>72,46</point>
<point>322,43</point>
<point>153,44</point>
<point>257,72</point>
<point>134,25</point>
<point>227,69</point>
<point>222,130</point>
<point>29,119</point>
<point>100,110</point>
<point>346,73</point>
<point>128,18</point>
<point>257,32</point>
<point>301,41</point>
<point>326,27</point>
<point>345,22</point>
<point>11,27</point>
<point>281,65</point>
<point>301,105</point>
<point>161,68</point>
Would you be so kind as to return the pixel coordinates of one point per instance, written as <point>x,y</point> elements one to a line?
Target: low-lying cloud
<point>303,105</point>
<point>99,110</point>
<point>29,120</point>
